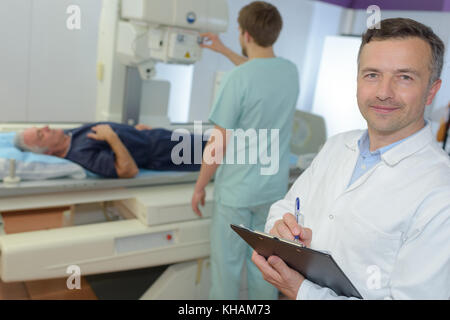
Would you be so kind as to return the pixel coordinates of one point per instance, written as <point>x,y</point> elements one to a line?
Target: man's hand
<point>198,197</point>
<point>274,270</point>
<point>215,45</point>
<point>278,274</point>
<point>288,228</point>
<point>124,163</point>
<point>102,132</point>
<point>141,127</point>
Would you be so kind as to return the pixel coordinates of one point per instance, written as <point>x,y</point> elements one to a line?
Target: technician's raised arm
<point>218,46</point>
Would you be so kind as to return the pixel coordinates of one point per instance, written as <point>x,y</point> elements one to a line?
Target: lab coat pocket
<point>369,251</point>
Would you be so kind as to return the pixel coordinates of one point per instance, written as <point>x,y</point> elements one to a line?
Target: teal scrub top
<point>259,94</point>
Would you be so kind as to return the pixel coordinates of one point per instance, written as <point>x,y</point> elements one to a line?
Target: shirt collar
<point>393,153</point>
<point>364,146</point>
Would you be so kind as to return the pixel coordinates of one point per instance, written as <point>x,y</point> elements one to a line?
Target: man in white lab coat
<point>378,200</point>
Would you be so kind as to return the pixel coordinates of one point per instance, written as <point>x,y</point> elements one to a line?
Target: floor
<point>45,290</point>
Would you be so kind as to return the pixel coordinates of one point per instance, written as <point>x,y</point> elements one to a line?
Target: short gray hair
<point>19,143</point>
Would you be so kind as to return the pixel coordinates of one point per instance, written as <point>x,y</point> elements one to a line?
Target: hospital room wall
<point>48,70</point>
<point>305,25</point>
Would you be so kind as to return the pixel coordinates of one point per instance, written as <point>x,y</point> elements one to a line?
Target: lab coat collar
<point>403,150</point>
<point>352,139</point>
<point>416,142</point>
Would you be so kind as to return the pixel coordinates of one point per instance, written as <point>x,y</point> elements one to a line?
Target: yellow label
<point>100,71</point>
<point>187,55</point>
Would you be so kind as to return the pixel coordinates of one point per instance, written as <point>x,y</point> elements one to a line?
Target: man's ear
<point>247,37</point>
<point>433,91</point>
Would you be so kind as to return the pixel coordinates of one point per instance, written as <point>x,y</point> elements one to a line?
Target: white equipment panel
<point>171,233</point>
<point>167,204</point>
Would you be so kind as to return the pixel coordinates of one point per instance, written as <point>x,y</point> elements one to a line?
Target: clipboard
<point>316,266</point>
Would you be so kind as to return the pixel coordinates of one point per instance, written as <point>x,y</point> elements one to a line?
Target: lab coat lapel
<point>348,165</point>
<point>362,179</point>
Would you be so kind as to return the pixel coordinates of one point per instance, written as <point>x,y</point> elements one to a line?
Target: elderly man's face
<point>43,138</point>
<point>393,85</point>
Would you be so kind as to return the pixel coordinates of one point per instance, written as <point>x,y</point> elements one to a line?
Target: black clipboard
<point>316,266</point>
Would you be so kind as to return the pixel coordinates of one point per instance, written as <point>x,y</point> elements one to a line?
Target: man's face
<point>393,85</point>
<point>44,138</point>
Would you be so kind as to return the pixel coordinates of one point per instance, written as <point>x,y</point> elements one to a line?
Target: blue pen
<point>297,213</point>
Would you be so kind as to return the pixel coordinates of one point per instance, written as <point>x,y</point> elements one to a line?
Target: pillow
<point>32,166</point>
<point>6,139</point>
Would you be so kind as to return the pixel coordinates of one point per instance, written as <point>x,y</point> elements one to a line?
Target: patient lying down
<point>109,149</point>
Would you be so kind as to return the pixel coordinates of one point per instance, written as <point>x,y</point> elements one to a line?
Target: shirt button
<point>363,166</point>
<point>331,217</point>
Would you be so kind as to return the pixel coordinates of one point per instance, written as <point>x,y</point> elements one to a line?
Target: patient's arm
<point>125,165</point>
<point>141,127</point>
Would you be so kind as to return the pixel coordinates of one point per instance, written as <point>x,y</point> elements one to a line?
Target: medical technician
<point>378,200</point>
<point>259,94</point>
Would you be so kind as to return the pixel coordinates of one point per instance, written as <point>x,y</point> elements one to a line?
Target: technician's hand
<point>287,228</point>
<point>278,274</point>
<point>198,197</point>
<point>215,45</point>
<point>102,132</point>
<point>141,127</point>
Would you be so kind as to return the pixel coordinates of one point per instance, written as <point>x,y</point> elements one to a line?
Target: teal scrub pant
<point>229,252</point>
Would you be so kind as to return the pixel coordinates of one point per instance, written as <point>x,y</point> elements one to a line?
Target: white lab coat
<point>390,230</point>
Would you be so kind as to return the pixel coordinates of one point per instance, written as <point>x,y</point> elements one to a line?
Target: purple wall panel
<point>342,3</point>
<point>446,5</point>
<point>424,5</point>
<point>432,5</point>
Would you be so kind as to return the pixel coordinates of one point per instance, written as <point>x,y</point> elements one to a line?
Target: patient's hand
<point>141,127</point>
<point>102,132</point>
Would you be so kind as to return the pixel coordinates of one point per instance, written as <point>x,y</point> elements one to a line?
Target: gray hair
<point>19,143</point>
